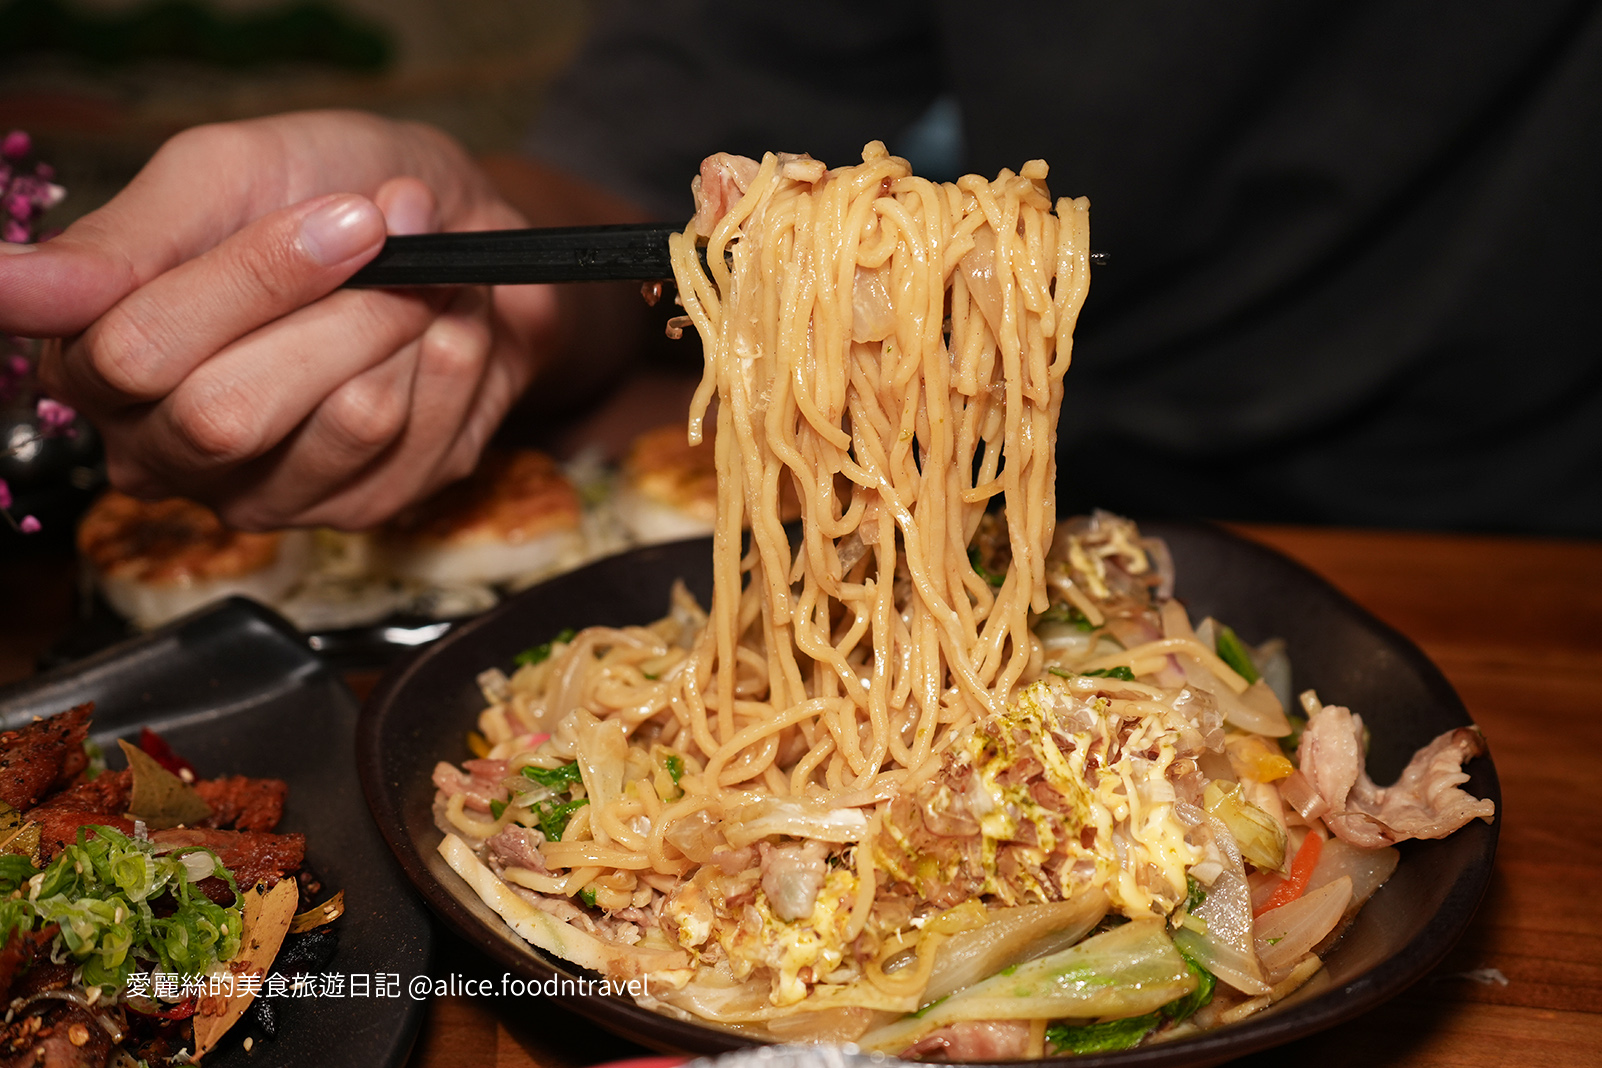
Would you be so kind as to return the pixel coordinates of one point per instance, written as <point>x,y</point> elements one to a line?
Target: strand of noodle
<point>533,880</point>
<point>578,854</point>
<point>456,812</point>
<point>1188,647</point>
<point>758,731</point>
<point>867,883</point>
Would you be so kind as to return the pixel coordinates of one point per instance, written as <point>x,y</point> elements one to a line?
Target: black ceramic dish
<point>421,711</point>
<point>363,648</point>
<point>236,691</point>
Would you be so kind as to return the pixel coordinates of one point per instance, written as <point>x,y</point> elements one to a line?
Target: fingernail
<point>340,229</point>
<point>410,215</point>
<point>9,249</point>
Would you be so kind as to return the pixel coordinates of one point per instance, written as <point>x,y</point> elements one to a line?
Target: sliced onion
<point>1226,949</point>
<point>795,816</point>
<point>1366,868</point>
<point>1256,710</point>
<point>1297,792</point>
<point>602,750</point>
<point>1287,934</point>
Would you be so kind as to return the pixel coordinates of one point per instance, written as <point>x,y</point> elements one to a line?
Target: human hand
<point>209,342</point>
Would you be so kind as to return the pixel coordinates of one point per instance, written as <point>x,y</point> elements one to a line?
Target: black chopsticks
<point>633,251</point>
<point>627,252</point>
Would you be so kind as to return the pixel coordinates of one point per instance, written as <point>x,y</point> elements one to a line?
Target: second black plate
<point>237,692</point>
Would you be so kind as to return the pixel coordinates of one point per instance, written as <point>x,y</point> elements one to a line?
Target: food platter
<point>236,691</point>
<point>423,708</point>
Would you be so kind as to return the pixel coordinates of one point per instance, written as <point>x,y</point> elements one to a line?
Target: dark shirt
<point>1356,247</point>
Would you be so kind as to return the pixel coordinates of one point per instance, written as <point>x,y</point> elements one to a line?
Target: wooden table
<point>1516,624</point>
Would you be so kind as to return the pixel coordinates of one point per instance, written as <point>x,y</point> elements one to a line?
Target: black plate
<point>422,709</point>
<point>366,648</point>
<point>236,691</point>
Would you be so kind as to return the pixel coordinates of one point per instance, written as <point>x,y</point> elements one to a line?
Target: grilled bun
<point>669,488</point>
<point>156,560</point>
<point>517,515</point>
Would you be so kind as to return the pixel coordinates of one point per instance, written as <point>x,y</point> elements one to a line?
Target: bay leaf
<point>159,797</point>
<point>267,916</point>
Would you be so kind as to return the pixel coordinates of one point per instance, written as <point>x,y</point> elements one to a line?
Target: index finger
<point>204,185</point>
<point>150,341</point>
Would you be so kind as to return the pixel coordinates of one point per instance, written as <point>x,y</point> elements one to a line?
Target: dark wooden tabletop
<point>1516,625</point>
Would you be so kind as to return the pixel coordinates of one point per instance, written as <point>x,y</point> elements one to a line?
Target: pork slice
<point>244,804</point>
<point>973,1040</point>
<point>723,180</point>
<point>252,856</point>
<point>58,827</point>
<point>107,793</point>
<point>1426,802</point>
<point>792,875</point>
<point>516,847</point>
<point>42,755</point>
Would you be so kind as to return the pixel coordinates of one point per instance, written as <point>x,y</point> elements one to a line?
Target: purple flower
<point>5,495</point>
<point>16,145</point>
<point>28,525</point>
<point>18,365</point>
<point>54,417</point>
<point>14,232</point>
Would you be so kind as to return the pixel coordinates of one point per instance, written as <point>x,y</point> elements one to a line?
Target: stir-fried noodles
<point>932,775</point>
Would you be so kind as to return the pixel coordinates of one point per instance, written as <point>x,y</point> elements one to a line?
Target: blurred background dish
<point>515,519</point>
<point>156,560</point>
<point>668,488</point>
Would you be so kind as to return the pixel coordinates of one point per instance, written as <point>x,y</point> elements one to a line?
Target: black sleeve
<point>660,84</point>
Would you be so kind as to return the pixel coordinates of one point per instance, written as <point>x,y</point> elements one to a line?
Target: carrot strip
<point>1301,871</point>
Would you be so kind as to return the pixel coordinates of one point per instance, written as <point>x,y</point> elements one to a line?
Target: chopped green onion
<point>992,577</point>
<point>1119,672</point>
<point>540,653</point>
<point>1233,653</point>
<point>587,895</point>
<point>560,779</point>
<point>675,767</point>
<point>553,816</point>
<point>101,891</point>
<point>496,808</point>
